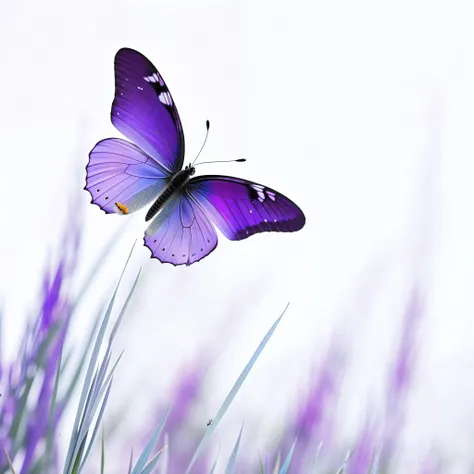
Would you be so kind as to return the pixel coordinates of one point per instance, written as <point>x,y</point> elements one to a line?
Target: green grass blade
<point>213,468</point>
<point>10,465</point>
<point>52,410</point>
<point>142,460</point>
<point>75,440</point>
<point>97,424</point>
<point>277,463</point>
<point>130,464</point>
<point>374,463</point>
<point>152,464</point>
<point>233,392</point>
<point>286,464</point>
<point>102,453</point>
<point>233,456</point>
<point>346,461</point>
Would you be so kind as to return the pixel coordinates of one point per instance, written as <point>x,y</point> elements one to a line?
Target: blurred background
<point>360,112</point>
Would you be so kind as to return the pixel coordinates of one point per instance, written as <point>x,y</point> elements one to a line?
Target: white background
<point>361,112</point>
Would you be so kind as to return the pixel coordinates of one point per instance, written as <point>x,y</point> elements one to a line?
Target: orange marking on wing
<point>122,208</point>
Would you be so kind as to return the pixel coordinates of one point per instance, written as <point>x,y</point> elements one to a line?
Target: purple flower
<point>25,407</point>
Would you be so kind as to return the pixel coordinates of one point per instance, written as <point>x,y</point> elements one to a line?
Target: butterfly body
<point>177,182</point>
<point>123,177</point>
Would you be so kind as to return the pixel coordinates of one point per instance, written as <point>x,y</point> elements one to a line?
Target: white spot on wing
<point>165,98</point>
<point>271,195</point>
<point>261,195</point>
<point>155,78</point>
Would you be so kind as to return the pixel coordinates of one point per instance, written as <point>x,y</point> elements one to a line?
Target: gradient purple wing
<point>118,172</point>
<point>181,234</point>
<point>144,111</point>
<point>240,208</point>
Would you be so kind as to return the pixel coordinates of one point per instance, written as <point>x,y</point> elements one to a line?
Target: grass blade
<point>75,441</point>
<point>102,453</point>
<point>142,460</point>
<point>151,465</point>
<point>52,409</point>
<point>10,465</point>
<point>346,461</point>
<point>233,392</point>
<point>213,467</point>
<point>130,464</point>
<point>277,463</point>
<point>286,464</point>
<point>233,456</point>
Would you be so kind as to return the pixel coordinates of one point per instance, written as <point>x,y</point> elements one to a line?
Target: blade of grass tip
<point>130,464</point>
<point>344,464</point>
<point>98,262</point>
<point>286,464</point>
<point>260,460</point>
<point>152,464</point>
<point>165,463</point>
<point>124,308</point>
<point>140,465</point>
<point>213,467</point>
<point>262,469</point>
<point>9,461</point>
<point>277,463</point>
<point>80,365</point>
<point>234,390</point>
<point>374,463</point>
<point>96,426</point>
<point>73,443</point>
<point>233,456</point>
<point>318,450</point>
<point>102,453</point>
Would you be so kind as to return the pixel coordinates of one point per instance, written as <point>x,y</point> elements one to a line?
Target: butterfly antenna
<point>238,160</point>
<point>205,140</point>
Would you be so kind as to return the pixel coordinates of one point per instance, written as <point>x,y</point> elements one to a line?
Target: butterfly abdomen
<point>175,185</point>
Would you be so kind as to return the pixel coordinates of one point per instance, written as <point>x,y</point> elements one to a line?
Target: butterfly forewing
<point>121,178</point>
<point>241,208</point>
<point>144,110</point>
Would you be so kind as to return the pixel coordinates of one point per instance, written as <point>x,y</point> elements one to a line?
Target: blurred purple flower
<point>181,437</point>
<point>363,451</point>
<point>311,425</point>
<point>401,375</point>
<point>403,367</point>
<point>25,407</point>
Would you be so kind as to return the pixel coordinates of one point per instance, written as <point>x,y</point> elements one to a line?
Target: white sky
<point>361,112</point>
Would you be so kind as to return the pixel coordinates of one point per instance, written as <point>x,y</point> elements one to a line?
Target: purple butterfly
<point>123,177</point>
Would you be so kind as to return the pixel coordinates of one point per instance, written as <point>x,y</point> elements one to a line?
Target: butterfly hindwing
<point>144,111</point>
<point>181,233</point>
<point>119,172</point>
<point>240,208</point>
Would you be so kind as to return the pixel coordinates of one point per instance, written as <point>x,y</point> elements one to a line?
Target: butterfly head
<point>190,169</point>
